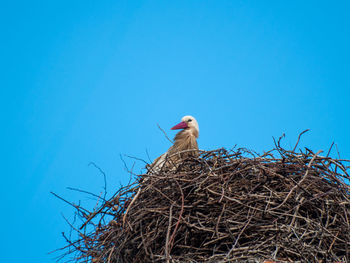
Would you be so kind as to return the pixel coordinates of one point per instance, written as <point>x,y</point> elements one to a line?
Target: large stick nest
<point>225,206</point>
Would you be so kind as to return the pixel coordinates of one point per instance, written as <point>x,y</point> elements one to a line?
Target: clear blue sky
<point>89,80</point>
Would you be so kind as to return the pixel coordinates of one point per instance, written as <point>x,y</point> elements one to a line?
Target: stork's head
<point>188,123</point>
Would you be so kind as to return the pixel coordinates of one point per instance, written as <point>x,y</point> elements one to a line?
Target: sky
<point>89,81</point>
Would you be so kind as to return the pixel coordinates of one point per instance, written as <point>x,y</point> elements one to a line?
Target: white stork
<point>185,144</point>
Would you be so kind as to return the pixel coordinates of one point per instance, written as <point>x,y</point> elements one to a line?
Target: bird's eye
<point>189,120</point>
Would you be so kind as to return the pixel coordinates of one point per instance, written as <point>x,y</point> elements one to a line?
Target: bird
<point>185,144</point>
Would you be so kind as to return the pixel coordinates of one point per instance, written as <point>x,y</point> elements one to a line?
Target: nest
<point>224,206</point>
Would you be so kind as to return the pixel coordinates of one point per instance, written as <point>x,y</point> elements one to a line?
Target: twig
<point>297,185</point>
<point>299,139</point>
<point>104,178</point>
<point>166,136</point>
<point>130,205</point>
<point>167,247</point>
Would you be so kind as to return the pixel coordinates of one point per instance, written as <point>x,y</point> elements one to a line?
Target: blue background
<point>89,81</point>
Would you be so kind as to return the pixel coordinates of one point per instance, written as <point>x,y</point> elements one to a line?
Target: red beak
<point>181,125</point>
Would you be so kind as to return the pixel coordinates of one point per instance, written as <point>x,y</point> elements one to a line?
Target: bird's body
<point>185,144</point>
